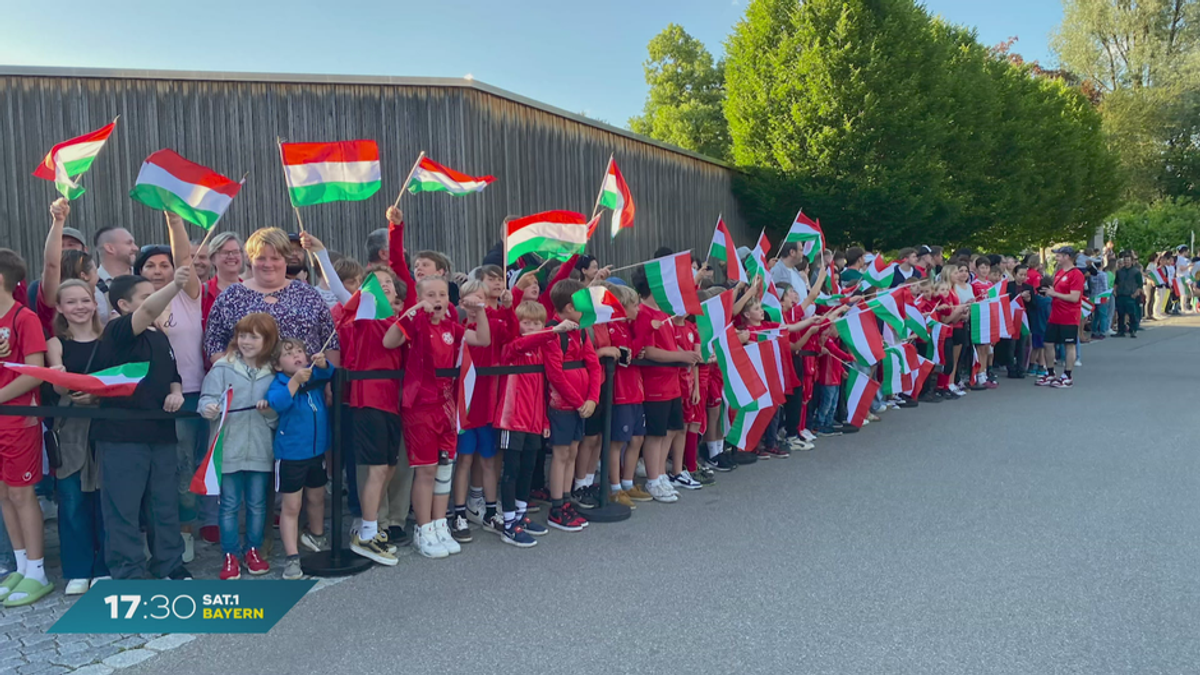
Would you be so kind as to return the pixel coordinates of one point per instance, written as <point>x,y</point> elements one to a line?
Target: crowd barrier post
<point>607,511</point>
<point>338,561</point>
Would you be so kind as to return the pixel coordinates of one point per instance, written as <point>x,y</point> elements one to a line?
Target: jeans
<point>1127,308</point>
<point>190,449</point>
<point>138,489</point>
<point>828,395</point>
<point>249,488</point>
<point>81,534</point>
<point>770,437</point>
<point>1100,319</point>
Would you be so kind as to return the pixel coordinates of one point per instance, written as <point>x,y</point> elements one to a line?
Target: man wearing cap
<point>1066,295</point>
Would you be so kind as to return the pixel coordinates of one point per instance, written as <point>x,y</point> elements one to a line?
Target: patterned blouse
<point>298,308</point>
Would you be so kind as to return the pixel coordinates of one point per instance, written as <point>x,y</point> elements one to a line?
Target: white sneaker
<point>426,540</point>
<point>1078,362</point>
<point>189,548</point>
<point>684,480</point>
<point>808,435</point>
<point>475,512</point>
<point>640,472</point>
<point>355,527</point>
<point>957,390</point>
<point>661,493</point>
<point>442,529</point>
<point>795,444</point>
<point>78,586</point>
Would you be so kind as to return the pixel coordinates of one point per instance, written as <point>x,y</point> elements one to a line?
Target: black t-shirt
<point>118,346</point>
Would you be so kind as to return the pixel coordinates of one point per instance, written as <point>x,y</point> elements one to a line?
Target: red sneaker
<point>211,534</point>
<point>255,564</point>
<point>232,568</point>
<point>569,508</point>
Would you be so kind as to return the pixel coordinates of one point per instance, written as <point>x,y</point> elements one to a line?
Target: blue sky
<point>584,57</point>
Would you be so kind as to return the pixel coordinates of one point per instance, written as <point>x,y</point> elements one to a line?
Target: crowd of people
<point>247,335</point>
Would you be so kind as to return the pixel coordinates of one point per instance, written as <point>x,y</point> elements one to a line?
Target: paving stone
<point>128,658</point>
<point>75,660</point>
<point>131,642</point>
<point>169,641</point>
<point>40,654</point>
<point>37,639</point>
<point>94,669</point>
<point>72,645</point>
<point>100,640</point>
<point>9,664</point>
<point>41,669</point>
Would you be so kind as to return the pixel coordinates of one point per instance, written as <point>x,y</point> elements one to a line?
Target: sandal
<point>10,582</point>
<point>33,591</point>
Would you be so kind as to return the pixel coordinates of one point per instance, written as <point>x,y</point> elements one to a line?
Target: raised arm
<point>52,253</point>
<point>315,247</point>
<point>564,271</point>
<point>157,303</point>
<point>396,255</point>
<point>181,252</point>
<point>481,335</point>
<point>815,290</point>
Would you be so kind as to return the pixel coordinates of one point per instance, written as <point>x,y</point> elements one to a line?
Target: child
<point>246,462</point>
<point>980,288</point>
<point>521,419</point>
<point>830,371</point>
<point>623,340</point>
<point>429,405</point>
<point>945,308</point>
<point>1041,354</point>
<point>300,445</point>
<point>686,446</point>
<point>21,442</point>
<point>573,397</point>
<point>138,465</point>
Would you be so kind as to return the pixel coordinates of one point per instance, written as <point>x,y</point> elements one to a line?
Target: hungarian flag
<point>860,391</point>
<point>598,305</point>
<point>1086,307</point>
<point>914,321</point>
<point>615,195</point>
<point>342,171</point>
<point>889,311</point>
<point>1019,317</point>
<point>891,382</point>
<point>986,319</point>
<point>860,334</point>
<point>743,385</point>
<point>826,300</point>
<point>73,158</point>
<point>199,195</point>
<point>766,358</point>
<point>466,386</point>
<point>996,290</point>
<point>808,234</point>
<point>672,285</point>
<point>748,428</point>
<point>551,234</point>
<point>725,250</point>
<point>764,244</point>
<point>1008,329</point>
<point>771,304</point>
<point>756,263</point>
<point>1104,298</point>
<point>1160,278</point>
<point>938,333</point>
<point>879,272</point>
<point>368,302</point>
<point>111,382</point>
<point>433,177</point>
<point>716,314</point>
<point>914,381</point>
<point>207,479</point>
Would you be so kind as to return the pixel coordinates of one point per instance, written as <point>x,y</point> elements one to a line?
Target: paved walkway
<point>1022,530</point>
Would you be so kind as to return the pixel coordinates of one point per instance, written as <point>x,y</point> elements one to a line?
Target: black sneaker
<point>724,463</point>
<point>397,536</point>
<point>460,531</point>
<point>930,397</point>
<point>908,403</point>
<point>181,573</point>
<point>849,429</point>
<point>1133,335</point>
<point>583,497</point>
<point>745,457</point>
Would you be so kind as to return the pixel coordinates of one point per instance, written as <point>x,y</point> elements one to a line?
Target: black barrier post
<point>338,561</point>
<point>607,512</point>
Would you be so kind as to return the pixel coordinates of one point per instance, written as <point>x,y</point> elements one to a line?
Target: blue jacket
<point>1039,317</point>
<point>303,431</point>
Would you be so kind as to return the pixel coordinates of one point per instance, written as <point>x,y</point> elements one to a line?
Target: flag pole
<point>408,179</point>
<point>600,194</point>
<point>628,267</point>
<point>288,182</point>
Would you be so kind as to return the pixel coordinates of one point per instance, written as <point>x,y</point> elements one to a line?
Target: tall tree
<point>684,103</point>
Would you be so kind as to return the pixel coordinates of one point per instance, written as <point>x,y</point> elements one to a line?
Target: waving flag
<point>826,300</point>
<point>891,382</point>
<point>914,381</point>
<point>771,305</point>
<point>70,159</point>
<point>433,177</point>
<point>1103,298</point>
<point>207,479</point>
<point>368,302</point>
<point>748,428</point>
<point>756,263</point>
<point>890,312</point>
<point>808,234</point>
<point>672,285</point>
<point>725,250</point>
<point>879,272</point>
<point>716,314</point>
<point>616,196</point>
<point>915,322</point>
<point>938,333</point>
<point>199,195</point>
<point>986,319</point>
<point>552,234</point>
<point>860,334</point>
<point>343,171</point>
<point>1086,307</point>
<point>743,385</point>
<point>112,382</point>
<point>860,391</point>
<point>597,305</point>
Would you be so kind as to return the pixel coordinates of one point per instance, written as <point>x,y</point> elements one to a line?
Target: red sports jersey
<point>362,349</point>
<point>430,347</point>
<point>1063,313</point>
<point>950,300</point>
<point>661,383</point>
<point>830,370</point>
<point>570,389</point>
<point>501,322</point>
<point>981,288</point>
<point>23,332</point>
<point>627,382</point>
<point>521,398</point>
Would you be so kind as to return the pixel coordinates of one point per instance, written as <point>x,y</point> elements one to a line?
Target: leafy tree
<point>1148,228</point>
<point>684,104</point>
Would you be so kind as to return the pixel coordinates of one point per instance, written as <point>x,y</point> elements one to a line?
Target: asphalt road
<point>1022,530</point>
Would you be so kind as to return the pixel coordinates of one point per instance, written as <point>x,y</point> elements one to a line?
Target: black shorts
<point>594,425</point>
<point>1061,334</point>
<point>663,416</point>
<point>628,420</point>
<point>378,437</point>
<point>293,475</point>
<point>566,427</point>
<point>960,336</point>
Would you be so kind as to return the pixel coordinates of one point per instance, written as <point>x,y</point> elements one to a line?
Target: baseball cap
<point>1066,250</point>
<point>924,250</point>
<point>74,234</point>
<point>1181,247</point>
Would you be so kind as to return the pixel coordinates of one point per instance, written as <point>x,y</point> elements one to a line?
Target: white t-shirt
<point>181,324</point>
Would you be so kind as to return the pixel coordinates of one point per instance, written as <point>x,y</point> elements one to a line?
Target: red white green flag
<point>551,234</point>
<point>342,171</point>
<point>986,319</point>
<point>207,479</point>
<point>808,234</point>
<point>743,384</point>
<point>597,305</point>
<point>199,195</point>
<point>935,347</point>
<point>879,272</point>
<point>716,314</point>
<point>466,386</point>
<point>860,391</point>
<point>889,311</point>
<point>615,195</point>
<point>860,335</point>
<point>914,321</point>
<point>748,427</point>
<point>765,357</point>
<point>368,303</point>
<point>433,177</point>
<point>725,250</point>
<point>1160,279</point>
<point>1086,307</point>
<point>672,285</point>
<point>890,382</point>
<point>116,381</point>
<point>914,381</point>
<point>70,159</point>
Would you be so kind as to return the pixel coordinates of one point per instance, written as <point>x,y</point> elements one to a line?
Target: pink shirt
<point>186,334</point>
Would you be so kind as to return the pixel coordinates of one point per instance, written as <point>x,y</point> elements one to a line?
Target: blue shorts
<point>481,440</point>
<point>566,427</point>
<point>1037,341</point>
<point>628,420</point>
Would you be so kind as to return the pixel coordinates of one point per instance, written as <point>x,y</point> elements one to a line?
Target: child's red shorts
<point>428,430</point>
<point>21,455</point>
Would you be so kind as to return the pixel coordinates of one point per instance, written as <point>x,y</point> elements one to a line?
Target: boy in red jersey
<point>521,419</point>
<point>685,446</point>
<point>429,404</point>
<point>573,397</point>
<point>981,285</point>
<point>624,340</point>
